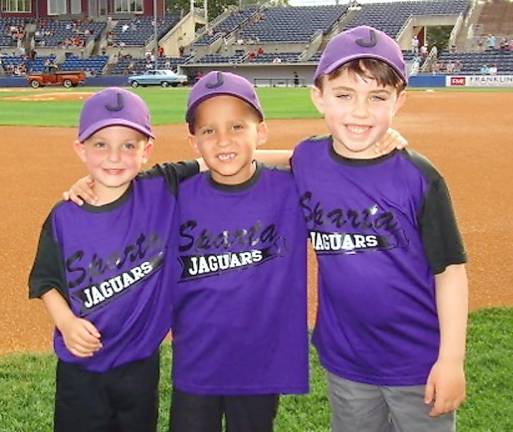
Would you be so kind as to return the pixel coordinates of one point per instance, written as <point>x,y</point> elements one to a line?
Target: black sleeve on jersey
<point>174,173</point>
<point>442,240</point>
<point>48,270</point>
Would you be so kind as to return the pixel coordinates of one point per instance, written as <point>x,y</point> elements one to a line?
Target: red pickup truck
<point>52,77</point>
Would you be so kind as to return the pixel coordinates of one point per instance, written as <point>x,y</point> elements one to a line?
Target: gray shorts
<point>357,407</point>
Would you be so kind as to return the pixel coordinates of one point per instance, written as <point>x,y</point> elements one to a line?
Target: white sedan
<point>161,77</point>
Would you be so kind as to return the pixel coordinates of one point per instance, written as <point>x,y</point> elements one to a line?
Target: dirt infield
<point>466,135</point>
<point>57,97</point>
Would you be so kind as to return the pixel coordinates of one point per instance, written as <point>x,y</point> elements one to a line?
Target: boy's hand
<point>80,336</point>
<point>390,141</point>
<point>445,386</point>
<point>81,191</point>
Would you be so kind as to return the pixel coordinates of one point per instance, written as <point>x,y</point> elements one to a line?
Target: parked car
<point>51,76</point>
<point>163,78</point>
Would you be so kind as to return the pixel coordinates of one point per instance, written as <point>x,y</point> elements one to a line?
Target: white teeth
<point>357,129</point>
<point>226,156</point>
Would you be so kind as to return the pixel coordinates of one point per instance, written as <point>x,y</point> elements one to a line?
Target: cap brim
<point>95,127</point>
<point>192,108</point>
<point>360,56</point>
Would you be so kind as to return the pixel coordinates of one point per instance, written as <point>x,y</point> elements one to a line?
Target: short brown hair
<point>368,68</point>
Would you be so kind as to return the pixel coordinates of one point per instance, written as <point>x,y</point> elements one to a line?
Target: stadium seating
<point>226,26</point>
<point>219,58</point>
<point>139,65</point>
<point>52,33</point>
<point>6,40</point>
<point>472,61</point>
<point>94,65</point>
<point>390,17</point>
<point>139,31</point>
<point>36,65</point>
<point>291,24</point>
<point>276,57</point>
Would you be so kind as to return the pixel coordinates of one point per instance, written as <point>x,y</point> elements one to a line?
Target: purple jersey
<point>381,229</point>
<point>111,263</point>
<point>240,309</point>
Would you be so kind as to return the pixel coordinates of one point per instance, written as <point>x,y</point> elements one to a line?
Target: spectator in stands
<point>251,56</point>
<point>492,70</point>
<point>260,51</point>
<point>276,59</point>
<point>415,44</point>
<point>484,70</point>
<point>450,67</point>
<point>124,28</point>
<point>480,43</point>
<point>458,66</point>
<point>491,41</point>
<point>160,51</point>
<point>181,50</point>
<point>167,64</point>
<point>296,79</point>
<point>503,44</point>
<point>423,51</point>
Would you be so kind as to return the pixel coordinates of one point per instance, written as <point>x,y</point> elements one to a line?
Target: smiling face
<point>357,111</point>
<point>226,132</point>
<point>113,156</point>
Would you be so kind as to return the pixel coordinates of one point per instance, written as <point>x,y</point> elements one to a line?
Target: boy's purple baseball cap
<point>114,106</point>
<point>359,43</point>
<point>217,83</point>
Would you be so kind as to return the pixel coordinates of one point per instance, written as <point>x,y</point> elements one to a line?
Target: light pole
<point>155,35</point>
<point>205,5</point>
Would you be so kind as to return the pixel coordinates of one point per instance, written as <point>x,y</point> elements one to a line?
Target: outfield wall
<point>265,76</point>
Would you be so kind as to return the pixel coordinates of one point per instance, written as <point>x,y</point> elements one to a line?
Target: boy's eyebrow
<point>380,91</point>
<point>343,88</point>
<point>377,91</point>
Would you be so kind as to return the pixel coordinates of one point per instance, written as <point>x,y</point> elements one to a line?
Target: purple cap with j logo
<point>359,43</point>
<point>114,106</point>
<point>218,83</point>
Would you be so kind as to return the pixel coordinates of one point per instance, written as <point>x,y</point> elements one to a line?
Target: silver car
<point>161,77</point>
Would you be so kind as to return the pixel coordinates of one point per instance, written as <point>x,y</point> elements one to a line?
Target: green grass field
<point>167,106</point>
<point>27,383</point>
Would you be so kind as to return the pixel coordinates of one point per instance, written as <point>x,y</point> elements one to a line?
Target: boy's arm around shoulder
<point>173,172</point>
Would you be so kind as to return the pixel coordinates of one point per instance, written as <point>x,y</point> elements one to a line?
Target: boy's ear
<point>262,133</point>
<point>193,143</point>
<point>316,96</point>
<point>79,150</point>
<point>400,101</point>
<point>148,150</point>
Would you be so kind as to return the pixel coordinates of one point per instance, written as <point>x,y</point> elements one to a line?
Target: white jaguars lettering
<point>336,242</point>
<point>94,295</point>
<point>212,263</point>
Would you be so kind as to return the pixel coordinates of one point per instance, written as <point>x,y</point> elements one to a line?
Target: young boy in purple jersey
<point>393,290</point>
<point>240,331</point>
<point>103,272</point>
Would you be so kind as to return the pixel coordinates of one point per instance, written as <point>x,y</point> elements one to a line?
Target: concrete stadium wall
<point>283,75</point>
